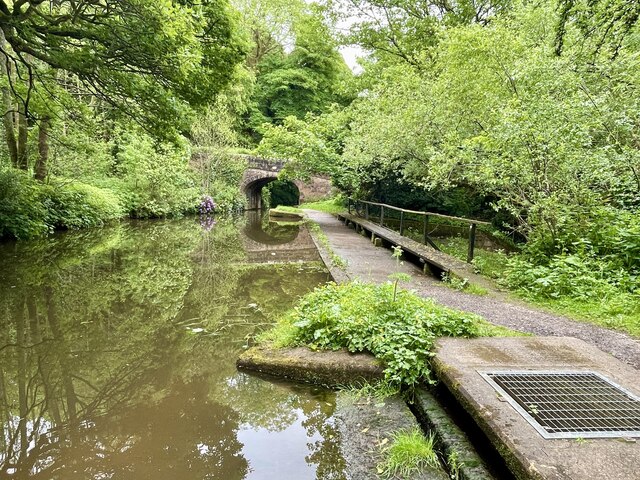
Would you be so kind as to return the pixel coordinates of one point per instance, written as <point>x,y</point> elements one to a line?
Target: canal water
<point>118,349</point>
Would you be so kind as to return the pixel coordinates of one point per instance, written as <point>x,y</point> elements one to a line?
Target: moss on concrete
<point>302,364</point>
<point>450,438</point>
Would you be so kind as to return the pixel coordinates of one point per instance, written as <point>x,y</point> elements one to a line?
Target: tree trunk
<point>42,165</point>
<point>8,106</point>
<point>23,136</point>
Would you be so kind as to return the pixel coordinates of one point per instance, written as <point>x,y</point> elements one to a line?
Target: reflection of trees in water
<point>182,436</point>
<point>99,377</point>
<point>276,405</point>
<point>86,332</point>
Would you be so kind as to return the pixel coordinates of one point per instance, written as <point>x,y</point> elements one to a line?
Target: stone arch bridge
<point>261,171</point>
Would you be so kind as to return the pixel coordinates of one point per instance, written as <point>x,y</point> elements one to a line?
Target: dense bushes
<point>598,257</point>
<point>22,213</point>
<point>29,208</point>
<point>592,270</point>
<point>364,317</point>
<point>78,205</point>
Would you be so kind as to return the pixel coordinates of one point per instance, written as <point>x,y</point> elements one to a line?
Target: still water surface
<point>118,349</point>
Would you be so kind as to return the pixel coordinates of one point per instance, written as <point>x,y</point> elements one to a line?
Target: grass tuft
<point>376,390</point>
<point>287,209</point>
<point>409,453</point>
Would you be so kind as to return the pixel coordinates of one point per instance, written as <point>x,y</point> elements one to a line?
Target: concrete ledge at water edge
<point>332,368</point>
<point>283,215</point>
<point>461,363</point>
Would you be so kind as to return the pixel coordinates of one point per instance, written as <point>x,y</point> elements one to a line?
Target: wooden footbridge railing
<point>376,211</point>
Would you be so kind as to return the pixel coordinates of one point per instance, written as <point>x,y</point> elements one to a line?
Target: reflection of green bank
<point>127,337</point>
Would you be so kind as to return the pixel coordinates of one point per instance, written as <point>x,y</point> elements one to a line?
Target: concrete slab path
<point>458,363</point>
<point>369,263</point>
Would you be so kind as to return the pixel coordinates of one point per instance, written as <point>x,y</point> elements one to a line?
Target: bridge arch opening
<point>282,192</point>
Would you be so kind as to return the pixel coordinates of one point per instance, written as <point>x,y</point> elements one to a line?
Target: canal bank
<point>363,261</point>
<point>555,374</point>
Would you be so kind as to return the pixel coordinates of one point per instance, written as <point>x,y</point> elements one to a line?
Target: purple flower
<point>207,205</point>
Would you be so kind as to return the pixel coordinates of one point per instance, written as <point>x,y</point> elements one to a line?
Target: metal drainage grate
<point>560,404</point>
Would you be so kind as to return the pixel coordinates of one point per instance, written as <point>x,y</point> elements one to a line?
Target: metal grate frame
<point>569,404</point>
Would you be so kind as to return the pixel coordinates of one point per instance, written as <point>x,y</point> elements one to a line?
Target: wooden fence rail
<point>425,221</point>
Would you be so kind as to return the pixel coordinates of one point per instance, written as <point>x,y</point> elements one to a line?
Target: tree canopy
<point>146,58</point>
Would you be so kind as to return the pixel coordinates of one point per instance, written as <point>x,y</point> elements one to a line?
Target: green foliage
<point>78,205</point>
<point>408,453</point>
<point>29,209</point>
<point>312,145</point>
<point>580,285</point>
<point>365,317</point>
<point>151,58</point>
<point>547,139</point>
<point>22,214</point>
<point>332,205</point>
<point>307,80</point>
<point>283,192</point>
<point>155,179</point>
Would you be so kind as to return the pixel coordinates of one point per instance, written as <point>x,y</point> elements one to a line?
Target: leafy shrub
<point>78,205</point>
<point>608,233</point>
<point>364,317</point>
<point>566,275</point>
<point>157,179</point>
<point>227,196</point>
<point>22,214</point>
<point>586,285</point>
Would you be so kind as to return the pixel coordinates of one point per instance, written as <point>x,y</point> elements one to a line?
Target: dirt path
<point>369,263</point>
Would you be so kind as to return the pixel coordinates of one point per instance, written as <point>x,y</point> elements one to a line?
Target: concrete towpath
<point>369,263</point>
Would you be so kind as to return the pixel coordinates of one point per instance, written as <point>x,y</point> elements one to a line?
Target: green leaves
<point>152,59</point>
<point>365,317</point>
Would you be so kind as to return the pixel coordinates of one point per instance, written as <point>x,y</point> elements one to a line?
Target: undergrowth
<point>408,453</point>
<point>364,317</point>
<point>332,205</point>
<point>581,286</point>
<point>491,263</point>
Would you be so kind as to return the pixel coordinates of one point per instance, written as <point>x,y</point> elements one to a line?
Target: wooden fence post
<point>425,223</point>
<point>401,222</point>
<point>472,242</point>
<point>366,211</point>
<point>349,205</point>
<point>381,216</point>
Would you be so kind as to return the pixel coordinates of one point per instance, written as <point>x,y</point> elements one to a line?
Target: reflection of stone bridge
<point>261,171</point>
<point>272,243</point>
